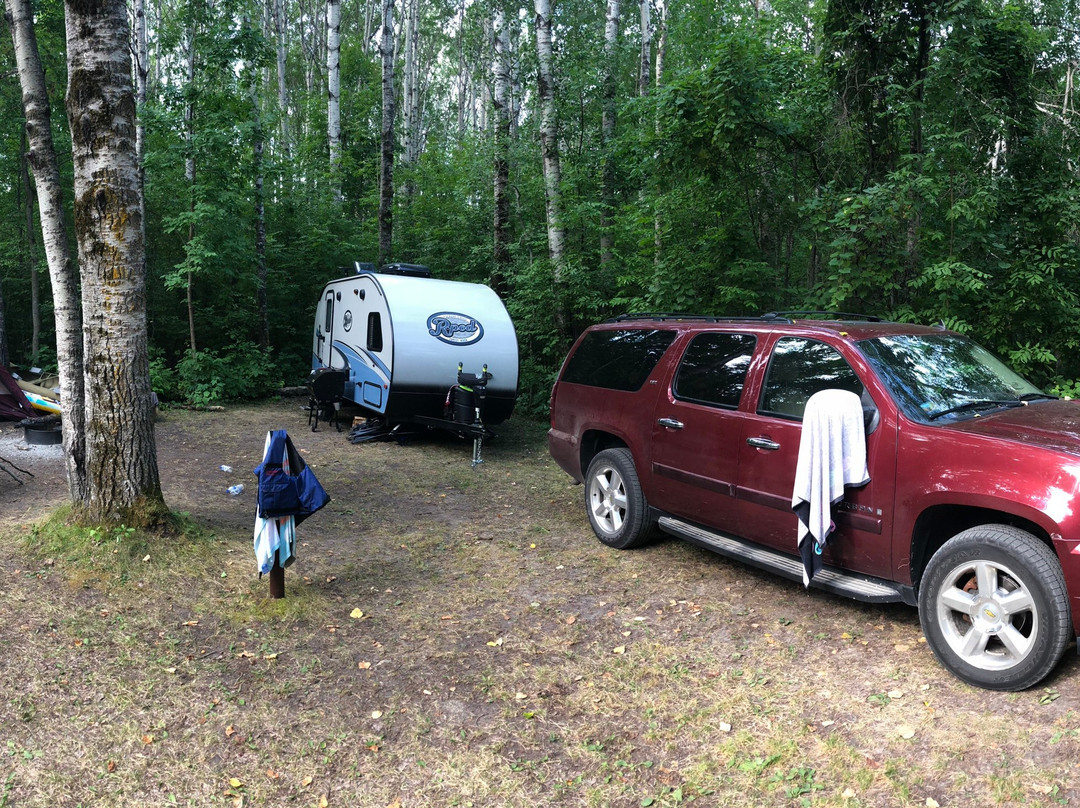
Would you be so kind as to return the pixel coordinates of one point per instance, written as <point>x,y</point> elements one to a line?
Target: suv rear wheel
<point>614,501</point>
<point>994,607</point>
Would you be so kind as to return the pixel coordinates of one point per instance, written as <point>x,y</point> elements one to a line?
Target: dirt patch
<point>457,636</point>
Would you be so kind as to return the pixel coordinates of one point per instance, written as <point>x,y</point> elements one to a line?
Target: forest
<point>912,159</point>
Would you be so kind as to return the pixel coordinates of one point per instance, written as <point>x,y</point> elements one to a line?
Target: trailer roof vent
<point>360,267</point>
<point>410,270</point>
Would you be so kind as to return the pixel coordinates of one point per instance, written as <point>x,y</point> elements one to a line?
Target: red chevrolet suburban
<point>691,425</point>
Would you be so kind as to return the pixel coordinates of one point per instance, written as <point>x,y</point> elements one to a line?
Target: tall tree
<point>121,455</point>
<point>386,137</point>
<point>549,139</point>
<point>65,293</point>
<point>281,46</point>
<point>333,94</point>
<point>501,70</point>
<point>607,129</point>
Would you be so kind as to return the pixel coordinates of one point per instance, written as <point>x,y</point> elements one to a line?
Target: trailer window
<point>329,314</point>
<point>374,331</point>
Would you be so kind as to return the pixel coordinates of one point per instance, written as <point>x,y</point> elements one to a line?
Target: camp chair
<point>326,387</point>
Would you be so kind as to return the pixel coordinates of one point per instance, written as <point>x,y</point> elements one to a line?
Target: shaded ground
<point>455,636</point>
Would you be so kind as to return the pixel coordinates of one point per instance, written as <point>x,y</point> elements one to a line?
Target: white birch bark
<point>645,63</point>
<point>333,93</point>
<point>282,87</point>
<point>501,76</point>
<point>121,456</point>
<point>607,131</point>
<point>386,160</point>
<point>549,139</point>
<point>65,293</point>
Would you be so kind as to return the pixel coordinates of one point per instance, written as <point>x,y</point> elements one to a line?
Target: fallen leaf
<point>147,739</point>
<point>244,655</point>
<point>331,578</point>
<point>229,731</point>
<point>111,767</point>
<point>190,623</point>
<point>236,782</point>
<point>496,642</point>
<point>273,775</point>
<point>324,801</point>
<point>724,726</point>
<point>306,781</point>
<point>447,617</point>
<point>394,804</point>
<point>932,803</point>
<point>146,557</point>
<point>519,696</point>
<point>238,801</point>
<point>363,665</point>
<point>571,620</point>
<point>619,649</point>
<point>376,714</point>
<point>270,656</point>
<point>906,731</point>
<point>848,793</point>
<point>896,694</point>
<point>356,614</point>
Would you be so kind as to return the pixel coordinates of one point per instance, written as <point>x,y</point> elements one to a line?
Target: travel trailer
<point>414,349</point>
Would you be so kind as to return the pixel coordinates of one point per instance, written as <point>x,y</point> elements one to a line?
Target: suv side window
<point>799,368</point>
<point>617,360</point>
<point>713,369</point>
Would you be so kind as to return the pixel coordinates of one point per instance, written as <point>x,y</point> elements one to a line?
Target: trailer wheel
<point>616,505</point>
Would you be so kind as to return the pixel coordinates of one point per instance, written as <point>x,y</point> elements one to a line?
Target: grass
<point>504,657</point>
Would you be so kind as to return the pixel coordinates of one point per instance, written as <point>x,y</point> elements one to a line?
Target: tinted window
<point>617,360</point>
<point>329,314</point>
<point>798,369</point>
<point>374,331</point>
<point>713,369</point>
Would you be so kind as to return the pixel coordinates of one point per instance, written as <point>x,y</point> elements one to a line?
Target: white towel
<point>832,457</point>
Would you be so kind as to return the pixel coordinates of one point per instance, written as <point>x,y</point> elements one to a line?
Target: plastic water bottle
<point>226,469</point>
<point>236,490</point>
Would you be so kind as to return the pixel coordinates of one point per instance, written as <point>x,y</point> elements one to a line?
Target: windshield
<point>944,377</point>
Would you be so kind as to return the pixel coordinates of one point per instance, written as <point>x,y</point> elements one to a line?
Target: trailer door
<point>324,332</point>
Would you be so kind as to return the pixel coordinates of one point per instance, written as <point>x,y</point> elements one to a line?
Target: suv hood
<point>1052,424</point>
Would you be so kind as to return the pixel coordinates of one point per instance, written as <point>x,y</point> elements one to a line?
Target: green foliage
<point>207,377</point>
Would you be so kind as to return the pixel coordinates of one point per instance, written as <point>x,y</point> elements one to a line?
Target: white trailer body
<point>399,341</point>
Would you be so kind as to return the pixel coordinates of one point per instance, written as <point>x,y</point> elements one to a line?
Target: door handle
<point>670,423</point>
<point>763,443</point>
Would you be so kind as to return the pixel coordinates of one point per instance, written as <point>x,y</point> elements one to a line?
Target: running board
<point>852,585</point>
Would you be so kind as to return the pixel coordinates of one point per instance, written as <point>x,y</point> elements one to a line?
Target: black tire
<point>994,607</point>
<point>616,506</point>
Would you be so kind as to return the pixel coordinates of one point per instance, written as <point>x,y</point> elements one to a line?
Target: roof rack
<point>704,318</point>
<point>823,315</point>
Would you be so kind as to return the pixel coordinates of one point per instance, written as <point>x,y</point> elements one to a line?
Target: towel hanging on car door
<point>832,457</point>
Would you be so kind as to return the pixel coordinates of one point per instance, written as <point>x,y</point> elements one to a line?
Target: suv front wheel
<point>994,607</point>
<point>614,501</point>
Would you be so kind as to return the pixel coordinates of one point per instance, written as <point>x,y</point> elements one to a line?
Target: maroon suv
<point>972,511</point>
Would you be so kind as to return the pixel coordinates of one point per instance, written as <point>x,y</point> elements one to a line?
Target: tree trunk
<point>65,293</point>
<point>645,63</point>
<point>189,175</point>
<point>411,89</point>
<point>121,456</point>
<point>501,71</point>
<point>607,131</point>
<point>661,51</point>
<point>386,166</point>
<point>261,300</point>
<point>31,253</point>
<point>549,148</point>
<point>333,94</point>
<point>282,87</point>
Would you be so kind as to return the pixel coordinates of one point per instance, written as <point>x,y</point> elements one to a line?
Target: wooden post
<point>277,579</point>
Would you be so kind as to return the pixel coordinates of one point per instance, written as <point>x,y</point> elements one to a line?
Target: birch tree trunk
<point>189,175</point>
<point>121,456</point>
<point>31,253</point>
<point>411,87</point>
<point>549,138</point>
<point>661,51</point>
<point>501,75</point>
<point>607,131</point>
<point>386,164</point>
<point>333,93</point>
<point>645,63</point>
<point>282,87</point>
<point>66,303</point>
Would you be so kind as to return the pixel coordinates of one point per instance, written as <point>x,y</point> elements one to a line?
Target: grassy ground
<point>453,636</point>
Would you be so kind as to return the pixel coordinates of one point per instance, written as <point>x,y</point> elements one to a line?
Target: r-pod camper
<point>415,349</point>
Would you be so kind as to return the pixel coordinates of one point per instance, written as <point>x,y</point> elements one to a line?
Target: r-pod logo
<point>454,328</point>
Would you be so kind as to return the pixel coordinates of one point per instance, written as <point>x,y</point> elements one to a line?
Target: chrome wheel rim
<point>987,615</point>
<point>607,499</point>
